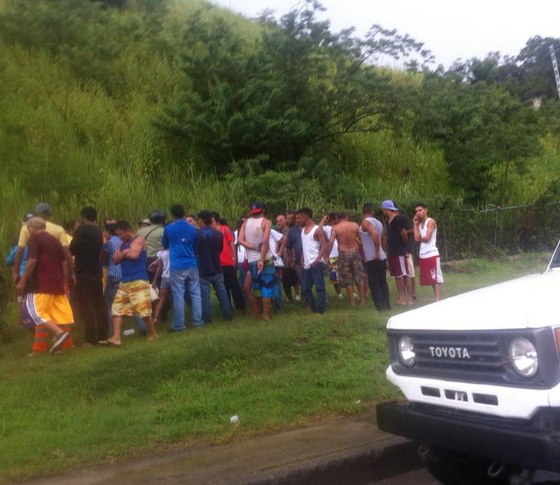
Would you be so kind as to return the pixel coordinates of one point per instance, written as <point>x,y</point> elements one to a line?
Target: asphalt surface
<point>419,477</point>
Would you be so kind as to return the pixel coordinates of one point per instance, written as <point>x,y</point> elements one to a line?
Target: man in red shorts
<point>397,238</point>
<point>44,283</point>
<point>425,232</point>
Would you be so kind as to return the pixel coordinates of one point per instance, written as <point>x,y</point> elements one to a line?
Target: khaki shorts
<point>410,266</point>
<point>133,298</point>
<point>350,268</point>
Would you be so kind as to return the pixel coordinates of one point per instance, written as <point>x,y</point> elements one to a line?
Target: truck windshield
<point>555,260</point>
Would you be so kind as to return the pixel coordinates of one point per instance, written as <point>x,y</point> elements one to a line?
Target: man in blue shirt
<point>180,238</point>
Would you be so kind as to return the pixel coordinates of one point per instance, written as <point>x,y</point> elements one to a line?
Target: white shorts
<point>410,266</point>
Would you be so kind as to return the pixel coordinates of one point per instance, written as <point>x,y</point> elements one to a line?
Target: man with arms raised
<point>371,233</point>
<point>315,248</point>
<point>397,237</point>
<point>254,236</point>
<point>350,266</point>
<point>425,232</point>
<point>133,296</point>
<point>44,283</point>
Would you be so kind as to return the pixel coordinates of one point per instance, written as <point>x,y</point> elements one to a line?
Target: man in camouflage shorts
<point>350,266</point>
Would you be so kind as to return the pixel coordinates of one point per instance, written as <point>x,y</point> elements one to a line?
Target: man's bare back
<point>346,233</point>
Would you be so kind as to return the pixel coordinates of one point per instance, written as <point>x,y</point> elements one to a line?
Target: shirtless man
<point>350,267</point>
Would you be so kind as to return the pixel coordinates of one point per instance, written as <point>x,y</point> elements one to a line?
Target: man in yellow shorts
<point>44,283</point>
<point>133,296</point>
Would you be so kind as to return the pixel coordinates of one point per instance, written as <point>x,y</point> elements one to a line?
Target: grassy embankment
<point>98,405</point>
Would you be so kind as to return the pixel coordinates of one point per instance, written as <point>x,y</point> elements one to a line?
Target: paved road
<point>419,477</point>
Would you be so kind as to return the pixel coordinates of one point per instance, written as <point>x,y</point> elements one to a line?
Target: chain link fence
<point>464,233</point>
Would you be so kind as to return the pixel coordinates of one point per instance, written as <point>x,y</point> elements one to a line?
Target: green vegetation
<point>132,104</point>
<point>96,405</point>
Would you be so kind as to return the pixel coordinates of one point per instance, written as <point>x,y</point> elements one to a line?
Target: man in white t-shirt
<point>314,248</point>
<point>327,224</point>
<point>162,269</point>
<point>277,243</point>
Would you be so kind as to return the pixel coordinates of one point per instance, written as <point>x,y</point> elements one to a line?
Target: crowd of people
<point>103,274</point>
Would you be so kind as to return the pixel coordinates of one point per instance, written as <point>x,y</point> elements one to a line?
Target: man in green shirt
<point>153,234</point>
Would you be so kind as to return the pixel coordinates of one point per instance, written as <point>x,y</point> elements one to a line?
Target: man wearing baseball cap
<point>254,236</point>
<point>44,211</point>
<point>397,237</point>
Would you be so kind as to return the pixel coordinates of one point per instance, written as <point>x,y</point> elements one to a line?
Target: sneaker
<point>58,342</point>
<point>341,296</point>
<point>298,298</point>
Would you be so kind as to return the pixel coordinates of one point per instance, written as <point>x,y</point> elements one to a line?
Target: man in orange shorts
<point>44,284</point>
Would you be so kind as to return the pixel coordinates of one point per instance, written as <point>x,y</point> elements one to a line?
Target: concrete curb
<point>362,466</point>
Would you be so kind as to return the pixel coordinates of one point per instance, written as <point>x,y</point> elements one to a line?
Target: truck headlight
<point>406,351</point>
<point>523,356</point>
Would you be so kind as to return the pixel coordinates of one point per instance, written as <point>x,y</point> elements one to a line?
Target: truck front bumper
<point>517,442</point>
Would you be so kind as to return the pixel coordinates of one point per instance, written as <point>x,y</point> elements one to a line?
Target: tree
<point>481,126</point>
<point>296,85</point>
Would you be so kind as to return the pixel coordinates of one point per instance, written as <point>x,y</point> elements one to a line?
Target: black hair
<point>305,210</point>
<point>215,215</point>
<point>223,222</point>
<point>177,211</point>
<point>333,216</point>
<point>111,228</point>
<point>290,212</point>
<point>421,204</point>
<point>192,216</point>
<point>206,217</point>
<point>89,213</point>
<point>123,226</point>
<point>342,215</point>
<point>239,223</point>
<point>157,216</point>
<point>69,225</point>
<point>281,214</point>
<point>368,209</point>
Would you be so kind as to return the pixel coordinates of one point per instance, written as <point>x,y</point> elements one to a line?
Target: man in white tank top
<point>254,235</point>
<point>315,248</point>
<point>425,232</point>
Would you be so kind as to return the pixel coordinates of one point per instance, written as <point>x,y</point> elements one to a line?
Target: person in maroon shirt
<point>44,283</point>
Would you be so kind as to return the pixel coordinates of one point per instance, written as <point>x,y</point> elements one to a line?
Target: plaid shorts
<point>133,298</point>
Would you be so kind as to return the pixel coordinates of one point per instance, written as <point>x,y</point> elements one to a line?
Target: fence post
<point>444,224</point>
<point>496,223</point>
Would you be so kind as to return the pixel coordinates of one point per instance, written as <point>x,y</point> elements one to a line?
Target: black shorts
<point>289,277</point>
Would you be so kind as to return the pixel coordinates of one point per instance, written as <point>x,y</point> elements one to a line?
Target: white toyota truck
<point>481,373</point>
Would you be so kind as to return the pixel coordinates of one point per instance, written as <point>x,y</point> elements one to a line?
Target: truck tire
<point>451,468</point>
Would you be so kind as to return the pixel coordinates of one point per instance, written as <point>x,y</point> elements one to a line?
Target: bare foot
<point>114,343</point>
<point>153,337</point>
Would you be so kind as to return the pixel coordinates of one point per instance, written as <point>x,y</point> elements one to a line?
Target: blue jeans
<point>242,276</point>
<point>217,281</point>
<point>180,280</point>
<point>278,294</point>
<point>314,276</point>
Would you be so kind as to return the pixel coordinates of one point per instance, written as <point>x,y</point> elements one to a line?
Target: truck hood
<point>528,302</point>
